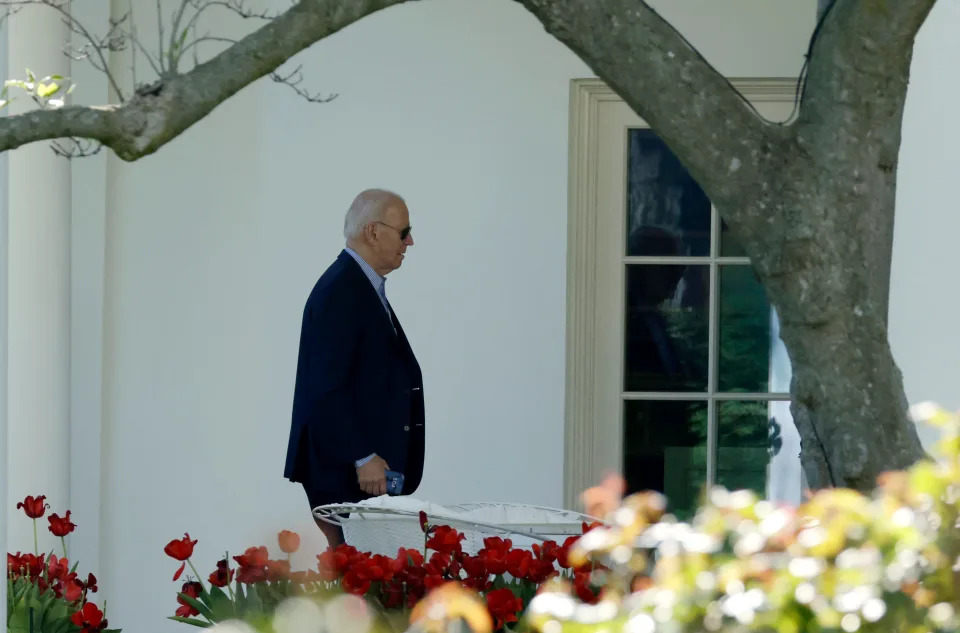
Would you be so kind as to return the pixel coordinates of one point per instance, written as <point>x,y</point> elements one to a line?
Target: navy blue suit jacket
<point>358,388</point>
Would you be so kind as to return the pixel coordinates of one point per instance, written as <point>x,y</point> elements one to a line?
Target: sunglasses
<point>404,232</point>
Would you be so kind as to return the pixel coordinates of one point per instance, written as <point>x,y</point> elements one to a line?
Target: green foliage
<point>48,92</point>
<point>251,603</point>
<point>842,561</point>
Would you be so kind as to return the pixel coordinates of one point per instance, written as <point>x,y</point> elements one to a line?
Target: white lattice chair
<point>384,524</point>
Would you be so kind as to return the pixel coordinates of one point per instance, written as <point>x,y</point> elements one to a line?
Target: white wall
<point>214,243</point>
<point>924,297</point>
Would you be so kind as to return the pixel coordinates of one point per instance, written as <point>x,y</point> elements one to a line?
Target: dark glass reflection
<point>662,194</point>
<point>666,326</point>
<point>664,449</point>
<point>744,332</point>
<point>744,433</point>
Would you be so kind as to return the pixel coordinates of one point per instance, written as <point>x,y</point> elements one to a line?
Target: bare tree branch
<point>163,67</point>
<point>721,140</point>
<point>176,42</point>
<point>239,7</point>
<point>159,113</point>
<point>63,8</point>
<point>79,148</point>
<point>293,79</point>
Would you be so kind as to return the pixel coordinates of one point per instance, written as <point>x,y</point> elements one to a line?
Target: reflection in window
<point>665,450</point>
<point>666,327</point>
<point>744,362</point>
<point>743,445</point>
<point>661,194</point>
<point>668,355</point>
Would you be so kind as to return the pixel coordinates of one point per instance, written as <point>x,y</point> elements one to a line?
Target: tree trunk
<point>812,202</point>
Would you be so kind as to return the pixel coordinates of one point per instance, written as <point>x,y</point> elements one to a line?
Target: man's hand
<point>371,476</point>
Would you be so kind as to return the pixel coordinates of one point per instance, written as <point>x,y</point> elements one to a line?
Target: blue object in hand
<point>394,482</point>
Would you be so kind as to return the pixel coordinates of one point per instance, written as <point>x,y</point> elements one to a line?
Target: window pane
<point>744,436</point>
<point>729,246</point>
<point>744,332</point>
<point>668,214</point>
<point>666,326</point>
<point>664,449</point>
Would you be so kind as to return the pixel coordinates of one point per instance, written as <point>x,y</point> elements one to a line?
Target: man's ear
<point>370,232</point>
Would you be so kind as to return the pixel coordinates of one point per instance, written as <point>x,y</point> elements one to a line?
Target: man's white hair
<point>369,206</point>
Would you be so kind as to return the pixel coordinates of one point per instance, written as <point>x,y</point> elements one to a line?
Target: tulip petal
<point>179,571</point>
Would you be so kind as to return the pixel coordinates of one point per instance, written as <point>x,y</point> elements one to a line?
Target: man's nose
<point>409,240</point>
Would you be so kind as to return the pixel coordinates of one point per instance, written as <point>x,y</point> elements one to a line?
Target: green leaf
<point>177,618</point>
<point>30,76</point>
<point>196,604</point>
<point>220,604</point>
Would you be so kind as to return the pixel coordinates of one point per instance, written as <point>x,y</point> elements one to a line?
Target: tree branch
<point>63,8</point>
<point>864,48</point>
<point>157,114</point>
<point>717,135</point>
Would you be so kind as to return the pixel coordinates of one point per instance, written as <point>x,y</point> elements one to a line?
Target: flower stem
<point>199,577</point>
<point>36,547</point>
<point>63,541</point>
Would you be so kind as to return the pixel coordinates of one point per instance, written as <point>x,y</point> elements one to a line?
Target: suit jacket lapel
<point>372,297</point>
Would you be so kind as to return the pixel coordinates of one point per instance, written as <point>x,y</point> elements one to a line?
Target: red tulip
<point>445,540</point>
<point>33,507</point>
<point>494,560</point>
<point>518,562</point>
<point>409,557</point>
<point>61,526</point>
<point>540,570</point>
<point>356,582</point>
<point>223,576</point>
<point>424,526</point>
<point>191,589</point>
<point>27,564</point>
<point>278,570</point>
<point>581,584</point>
<point>547,551</point>
<point>253,563</point>
<point>57,568</point>
<point>503,606</point>
<point>181,549</point>
<point>73,591</point>
<point>90,619</point>
<point>289,541</point>
<point>497,544</point>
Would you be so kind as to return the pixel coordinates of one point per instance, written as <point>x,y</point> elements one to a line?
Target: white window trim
<point>586,95</point>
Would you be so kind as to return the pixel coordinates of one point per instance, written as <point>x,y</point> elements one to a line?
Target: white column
<point>4,508</point>
<point>87,252</point>
<point>38,300</point>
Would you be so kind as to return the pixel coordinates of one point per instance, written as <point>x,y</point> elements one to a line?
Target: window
<point>676,374</point>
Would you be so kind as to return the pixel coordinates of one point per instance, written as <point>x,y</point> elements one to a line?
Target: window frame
<point>581,470</point>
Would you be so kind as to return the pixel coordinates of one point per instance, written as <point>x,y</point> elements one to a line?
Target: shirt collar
<point>375,279</point>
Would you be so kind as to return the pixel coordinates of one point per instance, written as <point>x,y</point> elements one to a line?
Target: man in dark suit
<point>358,401</point>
